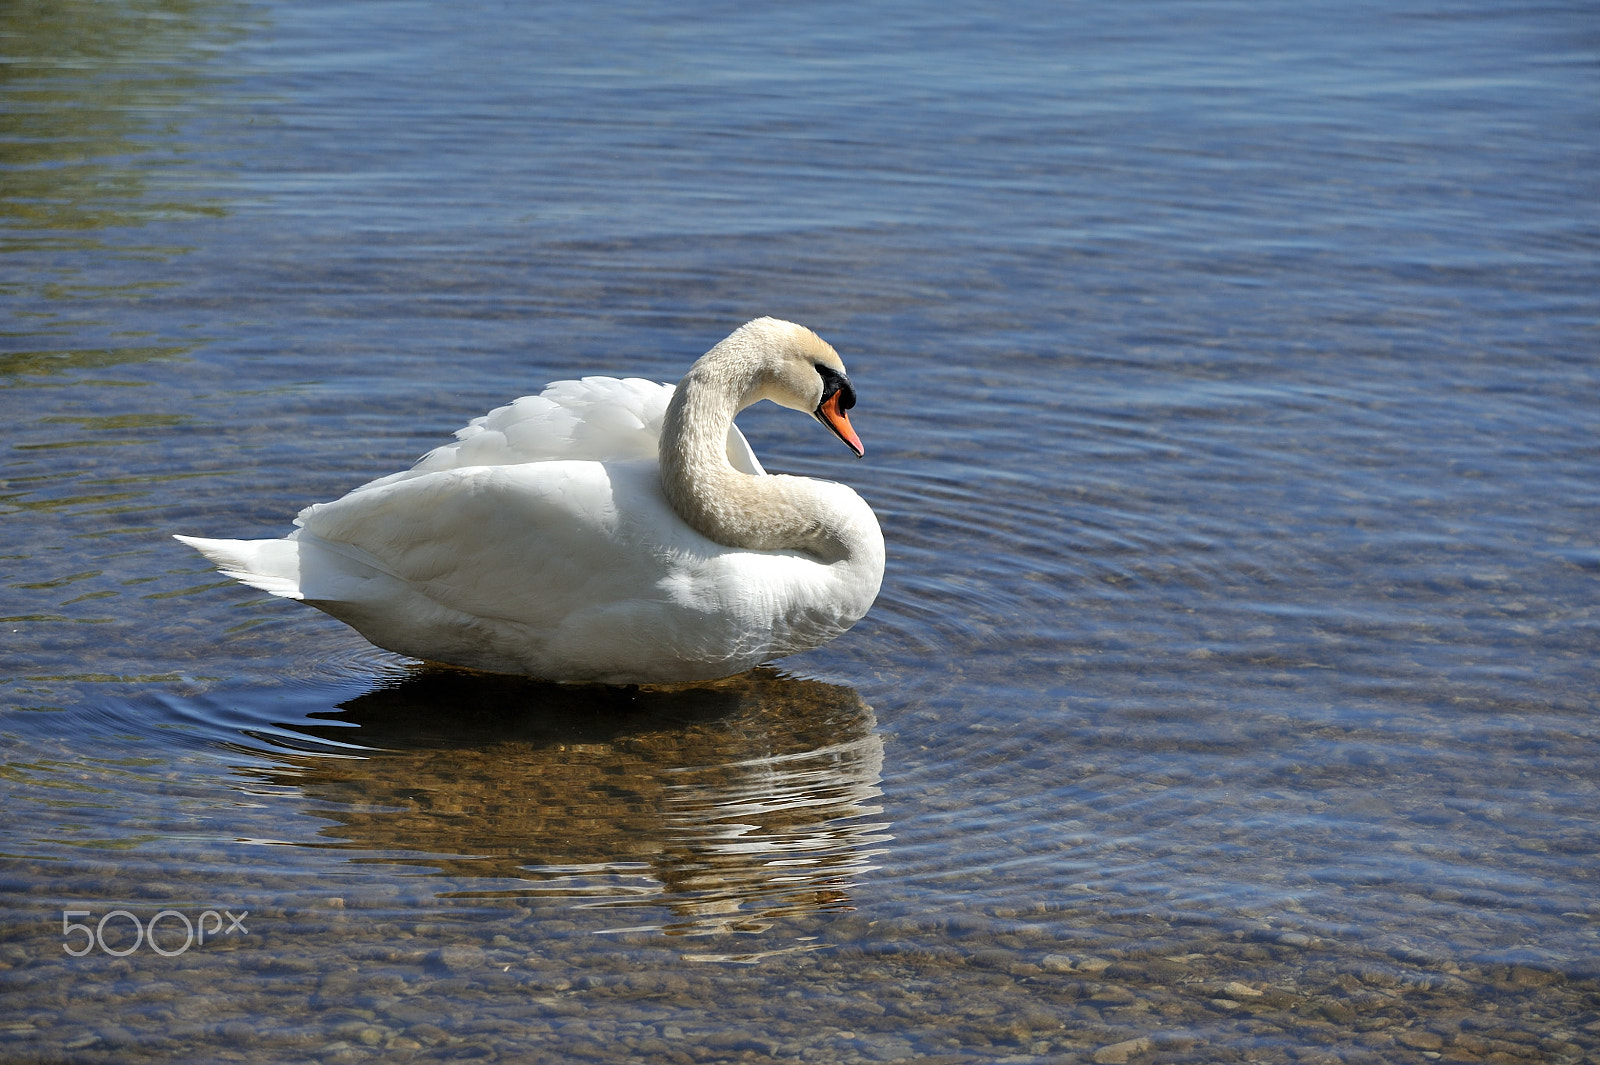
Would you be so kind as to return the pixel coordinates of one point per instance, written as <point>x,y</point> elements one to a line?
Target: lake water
<point>1230,380</point>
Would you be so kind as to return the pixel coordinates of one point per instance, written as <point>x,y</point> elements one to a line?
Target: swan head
<point>797,369</point>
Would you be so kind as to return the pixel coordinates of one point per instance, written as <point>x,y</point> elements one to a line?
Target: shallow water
<point>1228,378</point>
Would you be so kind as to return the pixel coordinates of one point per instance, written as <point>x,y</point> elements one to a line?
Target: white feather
<point>541,541</point>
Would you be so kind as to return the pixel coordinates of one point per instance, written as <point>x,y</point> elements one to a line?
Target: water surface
<point>1228,379</point>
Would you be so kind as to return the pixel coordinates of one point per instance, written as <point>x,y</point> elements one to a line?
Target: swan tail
<point>270,565</point>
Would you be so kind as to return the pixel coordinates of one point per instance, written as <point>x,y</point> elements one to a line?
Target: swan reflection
<point>731,803</point>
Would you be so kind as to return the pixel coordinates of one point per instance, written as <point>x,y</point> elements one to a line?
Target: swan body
<point>610,531</point>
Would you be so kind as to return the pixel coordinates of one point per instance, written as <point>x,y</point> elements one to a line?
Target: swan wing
<point>572,570</point>
<point>514,541</point>
<point>546,568</point>
<point>599,419</point>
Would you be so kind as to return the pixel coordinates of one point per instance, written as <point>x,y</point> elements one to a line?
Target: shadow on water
<point>732,804</point>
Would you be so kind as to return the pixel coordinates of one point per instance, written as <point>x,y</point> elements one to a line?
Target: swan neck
<point>733,508</point>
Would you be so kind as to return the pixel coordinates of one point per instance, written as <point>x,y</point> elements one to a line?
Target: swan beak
<point>833,416</point>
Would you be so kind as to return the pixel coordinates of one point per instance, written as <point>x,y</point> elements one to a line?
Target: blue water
<point>1230,381</point>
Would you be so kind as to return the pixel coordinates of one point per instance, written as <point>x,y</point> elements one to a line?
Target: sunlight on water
<point>1227,378</point>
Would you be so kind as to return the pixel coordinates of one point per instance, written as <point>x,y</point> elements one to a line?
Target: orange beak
<point>833,416</point>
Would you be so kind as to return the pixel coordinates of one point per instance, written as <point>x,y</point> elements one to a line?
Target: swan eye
<point>834,381</point>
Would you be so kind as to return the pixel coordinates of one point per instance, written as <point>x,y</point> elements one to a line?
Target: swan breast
<point>571,568</point>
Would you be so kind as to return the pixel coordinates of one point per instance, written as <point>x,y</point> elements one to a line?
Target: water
<point>1228,379</point>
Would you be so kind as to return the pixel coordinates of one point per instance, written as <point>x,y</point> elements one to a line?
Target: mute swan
<point>611,531</point>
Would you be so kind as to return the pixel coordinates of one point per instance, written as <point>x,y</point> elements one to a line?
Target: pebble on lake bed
<point>1121,1053</point>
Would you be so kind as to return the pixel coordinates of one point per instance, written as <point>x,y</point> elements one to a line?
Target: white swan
<point>612,531</point>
